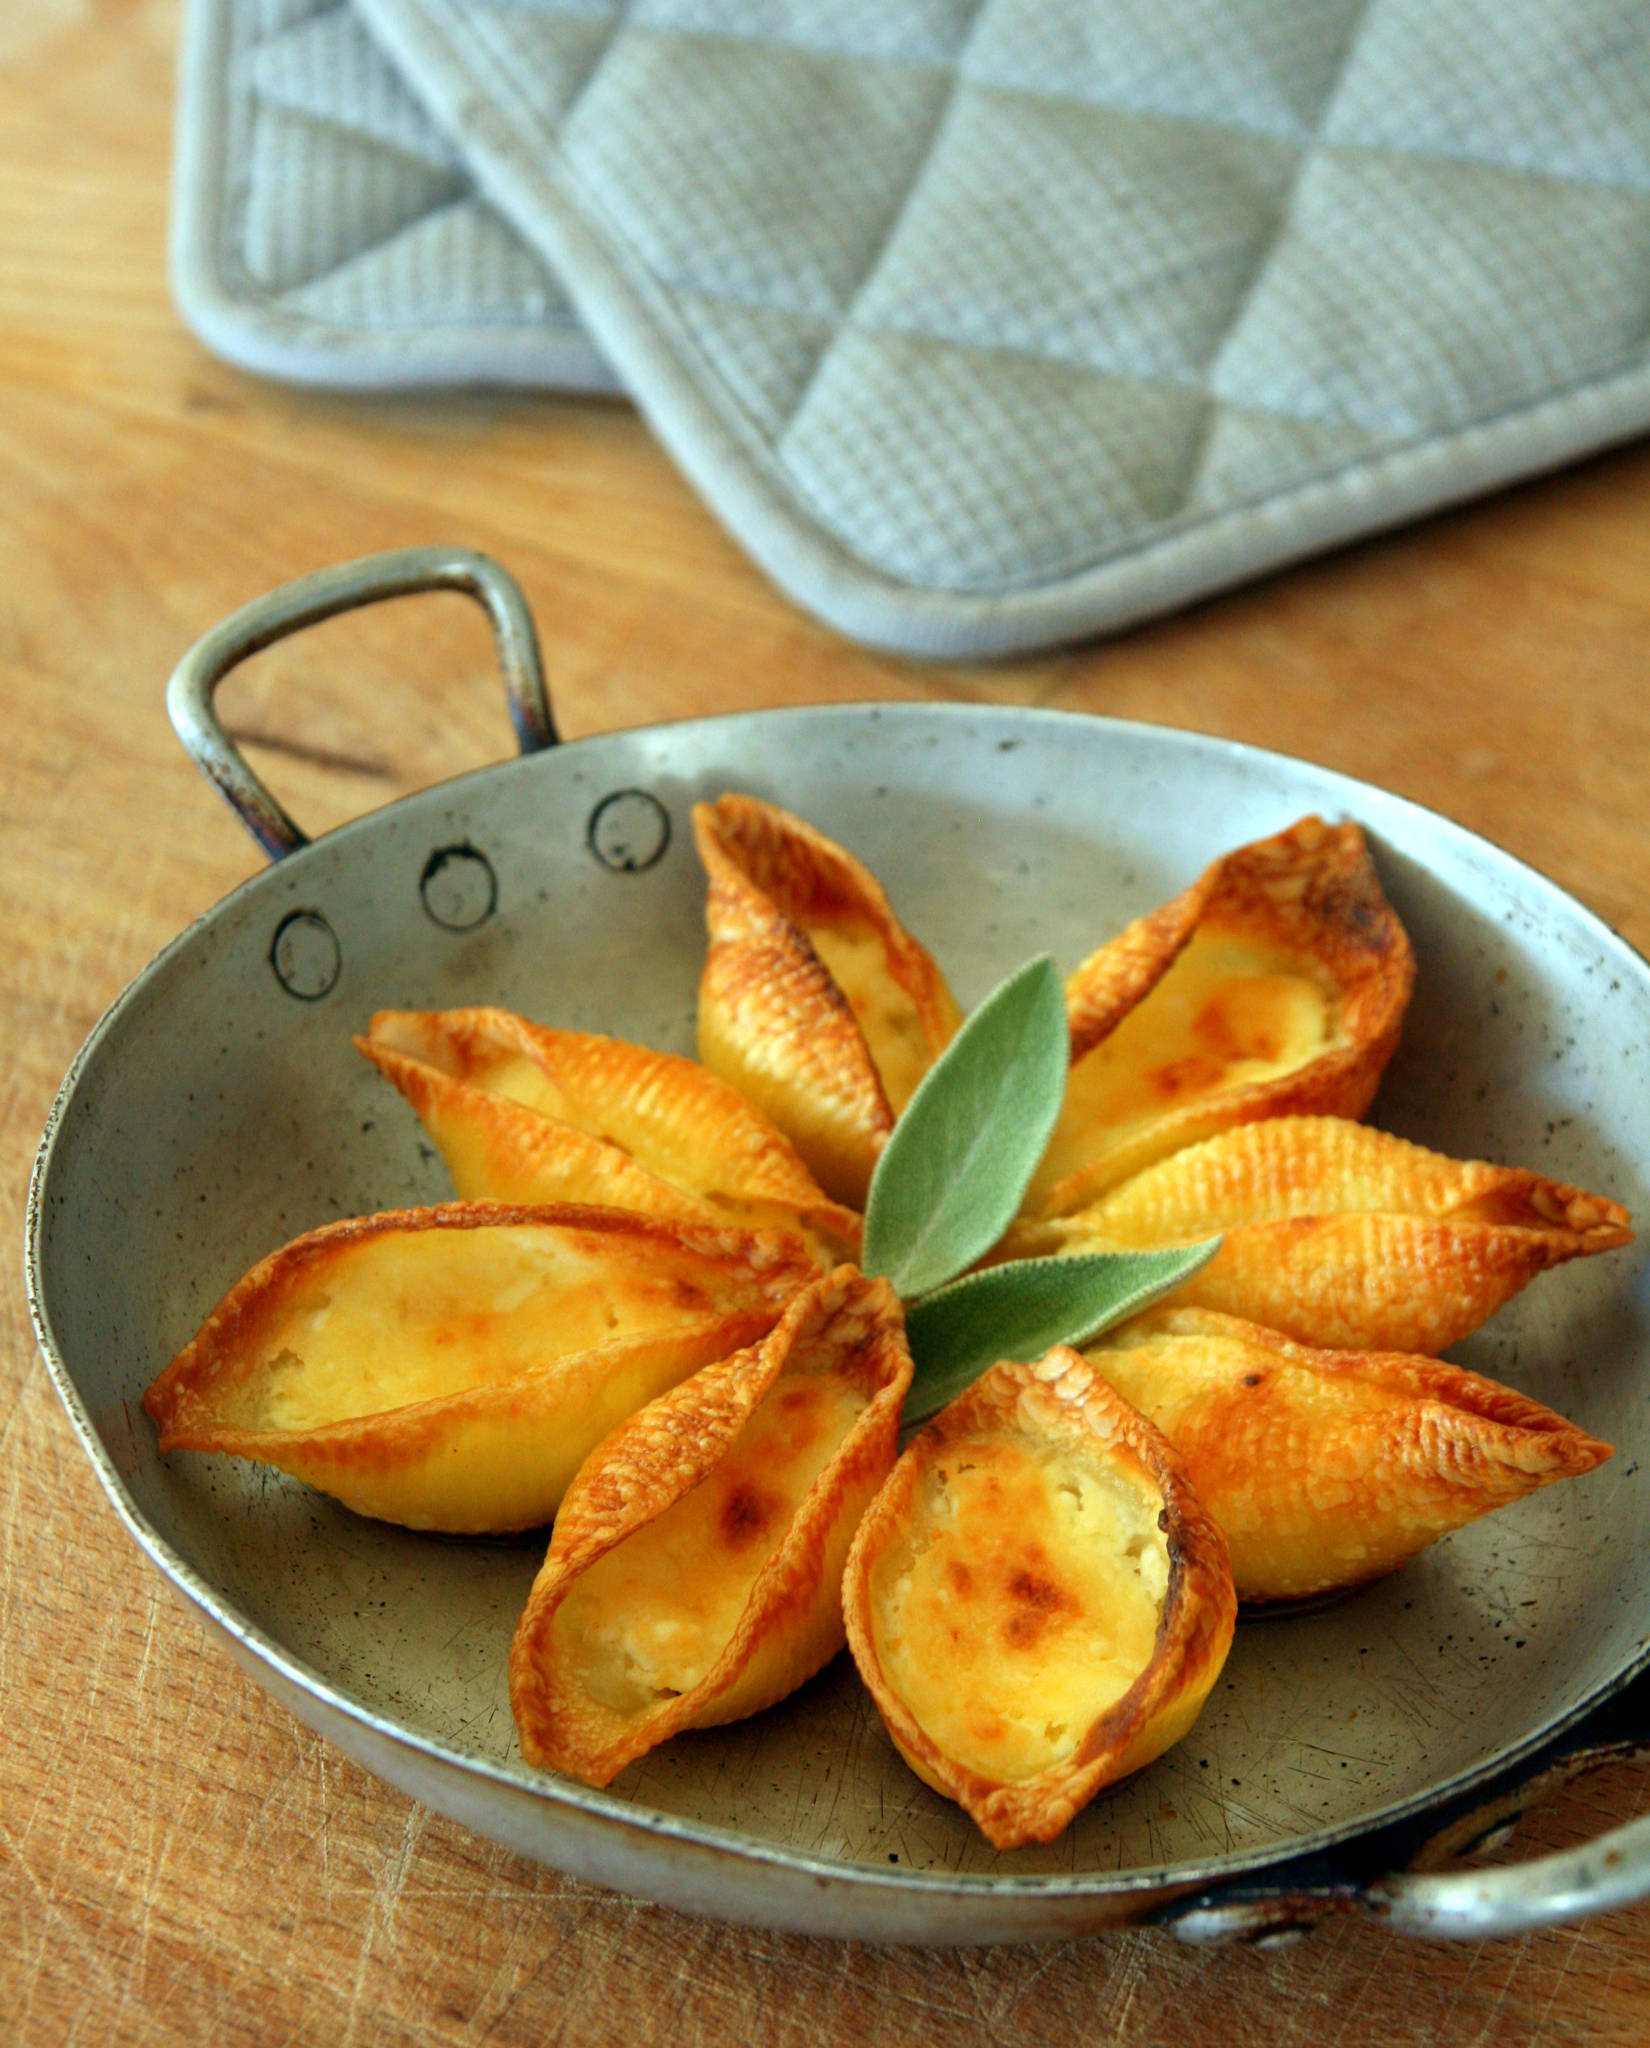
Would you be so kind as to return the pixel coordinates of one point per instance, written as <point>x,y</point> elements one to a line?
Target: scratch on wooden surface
<point>1017,1992</point>
<point>358,1981</point>
<point>892,1989</point>
<point>1350,2001</point>
<point>1505,1957</point>
<point>976,1976</point>
<point>377,1925</point>
<point>56,1926</point>
<point>15,1539</point>
<point>1538,2030</point>
<point>147,1646</point>
<point>1607,1972</point>
<point>395,1877</point>
<point>1123,1987</point>
<point>506,1977</point>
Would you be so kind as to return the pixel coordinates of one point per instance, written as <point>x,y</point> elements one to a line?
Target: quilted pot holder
<point>325,231</point>
<point>987,324</point>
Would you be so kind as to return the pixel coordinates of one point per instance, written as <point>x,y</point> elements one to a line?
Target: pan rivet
<point>459,887</point>
<point>306,955</point>
<point>629,831</point>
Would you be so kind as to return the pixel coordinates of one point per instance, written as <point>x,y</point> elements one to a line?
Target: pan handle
<point>257,625</point>
<point>1367,1876</point>
<point>1517,1898</point>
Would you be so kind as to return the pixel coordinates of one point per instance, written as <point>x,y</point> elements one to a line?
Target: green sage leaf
<point>1019,1310</point>
<point>956,1164</point>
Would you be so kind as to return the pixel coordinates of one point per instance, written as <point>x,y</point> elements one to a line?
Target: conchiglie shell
<point>1333,1233</point>
<point>527,1114</point>
<point>1036,1600</point>
<point>1328,1468</point>
<point>694,1574</point>
<point>1275,985</point>
<point>450,1368</point>
<point>815,1001</point>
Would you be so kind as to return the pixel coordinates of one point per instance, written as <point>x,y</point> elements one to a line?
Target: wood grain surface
<point>179,1861</point>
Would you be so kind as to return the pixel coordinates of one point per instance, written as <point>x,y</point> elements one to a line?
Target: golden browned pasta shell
<point>695,1571</point>
<point>1327,1468</point>
<point>815,1001</point>
<point>527,1114</point>
<point>1275,985</point>
<point>450,1368</point>
<point>1333,1233</point>
<point>1036,1600</point>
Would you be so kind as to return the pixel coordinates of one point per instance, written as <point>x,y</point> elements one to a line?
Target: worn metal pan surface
<point>219,1109</point>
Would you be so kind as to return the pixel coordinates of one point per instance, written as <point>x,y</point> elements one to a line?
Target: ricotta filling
<point>1022,1604</point>
<point>650,1619</point>
<point>412,1316</point>
<point>857,961</point>
<point>1227,1014</point>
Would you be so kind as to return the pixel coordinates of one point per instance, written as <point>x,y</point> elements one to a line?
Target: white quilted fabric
<point>325,229</point>
<point>987,323</point>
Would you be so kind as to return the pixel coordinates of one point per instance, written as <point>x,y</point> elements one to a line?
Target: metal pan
<point>218,1109</point>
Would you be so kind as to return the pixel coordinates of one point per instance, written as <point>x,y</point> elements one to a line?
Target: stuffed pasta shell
<point>815,1001</point>
<point>450,1368</point>
<point>694,1575</point>
<point>1337,1234</point>
<point>1036,1600</point>
<point>523,1113</point>
<point>1328,1468</point>
<point>1275,985</point>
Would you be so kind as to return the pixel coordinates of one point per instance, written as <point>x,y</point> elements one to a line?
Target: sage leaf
<point>1019,1310</point>
<point>954,1168</point>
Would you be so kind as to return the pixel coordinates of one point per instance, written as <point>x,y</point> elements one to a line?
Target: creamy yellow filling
<point>648,1620</point>
<point>1228,1013</point>
<point>412,1315</point>
<point>857,961</point>
<point>522,1080</point>
<point>1023,1602</point>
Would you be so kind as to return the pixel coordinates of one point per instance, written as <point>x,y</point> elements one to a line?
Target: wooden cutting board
<point>179,1861</point>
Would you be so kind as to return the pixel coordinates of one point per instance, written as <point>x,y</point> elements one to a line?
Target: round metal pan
<point>218,1109</point>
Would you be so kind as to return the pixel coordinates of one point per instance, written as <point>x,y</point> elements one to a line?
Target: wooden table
<point>179,1861</point>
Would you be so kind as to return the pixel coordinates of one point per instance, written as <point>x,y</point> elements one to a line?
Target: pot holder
<point>324,230</point>
<point>987,324</point>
